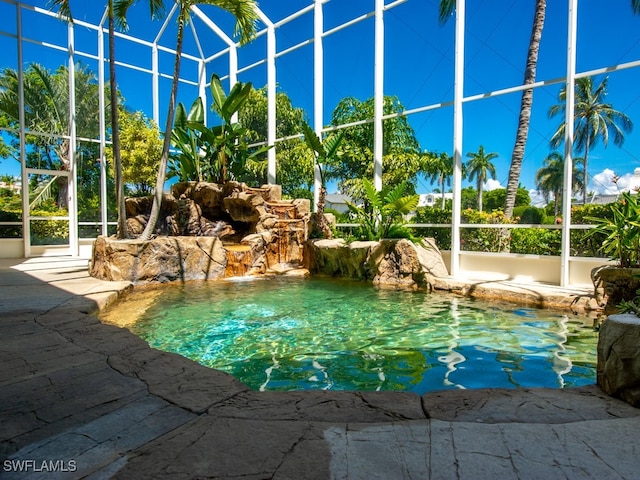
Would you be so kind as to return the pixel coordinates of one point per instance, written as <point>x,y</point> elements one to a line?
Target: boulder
<point>397,262</point>
<point>162,259</point>
<point>618,367</point>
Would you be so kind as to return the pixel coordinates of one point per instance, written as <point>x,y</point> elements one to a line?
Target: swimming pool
<point>282,333</point>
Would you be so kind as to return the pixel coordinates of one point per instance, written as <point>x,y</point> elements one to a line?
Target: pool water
<point>293,334</point>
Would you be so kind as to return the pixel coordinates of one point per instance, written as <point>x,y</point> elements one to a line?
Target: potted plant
<point>621,242</point>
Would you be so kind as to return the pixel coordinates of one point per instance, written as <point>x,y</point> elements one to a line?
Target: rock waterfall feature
<point>208,231</point>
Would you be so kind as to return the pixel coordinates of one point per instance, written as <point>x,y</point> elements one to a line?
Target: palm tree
<point>325,154</point>
<point>120,19</point>
<point>480,167</point>
<point>439,169</point>
<point>635,6</point>
<point>550,178</point>
<point>447,7</point>
<point>246,16</point>
<point>593,119</point>
<point>46,111</point>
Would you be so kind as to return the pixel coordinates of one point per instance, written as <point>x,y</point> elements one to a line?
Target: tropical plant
<point>593,119</point>
<point>446,9</point>
<point>213,154</point>
<point>550,178</point>
<point>480,168</point>
<point>246,16</point>
<point>326,154</point>
<point>381,214</point>
<point>439,168</point>
<point>228,142</point>
<point>622,231</point>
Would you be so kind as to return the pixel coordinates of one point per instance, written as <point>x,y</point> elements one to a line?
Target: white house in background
<point>337,202</point>
<point>431,199</point>
<point>15,186</point>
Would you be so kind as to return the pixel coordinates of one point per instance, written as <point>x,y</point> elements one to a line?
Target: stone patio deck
<point>81,399</point>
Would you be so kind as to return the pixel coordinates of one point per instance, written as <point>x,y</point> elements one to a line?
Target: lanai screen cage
<point>458,83</point>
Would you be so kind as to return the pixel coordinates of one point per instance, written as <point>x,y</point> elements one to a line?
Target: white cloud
<point>491,184</point>
<point>603,182</point>
<point>537,199</point>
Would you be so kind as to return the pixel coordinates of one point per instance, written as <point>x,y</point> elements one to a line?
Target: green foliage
<point>326,151</point>
<point>495,199</point>
<point>294,160</point>
<point>140,151</point>
<point>631,306</point>
<point>187,164</point>
<point>402,159</point>
<point>381,215</point>
<point>622,231</point>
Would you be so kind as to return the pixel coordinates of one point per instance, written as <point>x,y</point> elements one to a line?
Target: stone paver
<point>81,399</point>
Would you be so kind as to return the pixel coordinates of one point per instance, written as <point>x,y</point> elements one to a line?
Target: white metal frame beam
<point>565,249</point>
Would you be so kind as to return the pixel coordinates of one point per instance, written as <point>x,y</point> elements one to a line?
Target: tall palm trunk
<point>525,108</point>
<point>323,225</point>
<point>480,181</point>
<point>585,183</point>
<point>115,131</point>
<point>164,160</point>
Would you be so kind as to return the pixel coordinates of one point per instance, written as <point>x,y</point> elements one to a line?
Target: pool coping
<point>75,389</point>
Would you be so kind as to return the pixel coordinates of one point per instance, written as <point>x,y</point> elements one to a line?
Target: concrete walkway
<point>80,399</point>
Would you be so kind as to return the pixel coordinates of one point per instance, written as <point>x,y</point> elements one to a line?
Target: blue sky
<point>418,67</point>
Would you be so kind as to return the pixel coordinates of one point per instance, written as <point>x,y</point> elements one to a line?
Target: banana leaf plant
<point>381,216</point>
<point>213,154</point>
<point>325,153</point>
<point>188,162</point>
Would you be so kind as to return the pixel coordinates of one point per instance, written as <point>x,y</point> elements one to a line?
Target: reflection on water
<point>293,334</point>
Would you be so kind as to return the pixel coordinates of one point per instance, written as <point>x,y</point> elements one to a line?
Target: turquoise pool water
<point>295,334</point>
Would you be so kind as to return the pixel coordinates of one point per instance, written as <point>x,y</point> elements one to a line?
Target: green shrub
<point>49,232</point>
<point>536,241</point>
<point>529,215</point>
<point>484,239</point>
